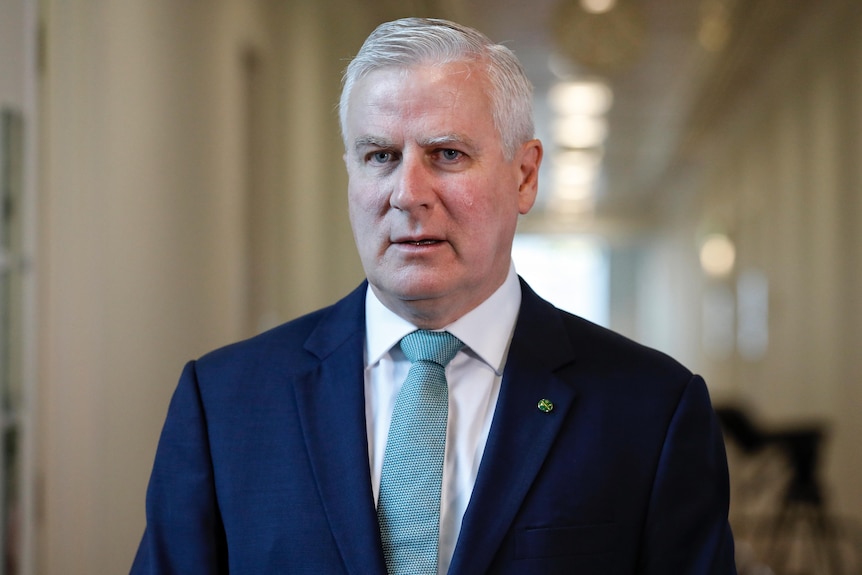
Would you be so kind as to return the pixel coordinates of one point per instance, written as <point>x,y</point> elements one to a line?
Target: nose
<point>413,186</point>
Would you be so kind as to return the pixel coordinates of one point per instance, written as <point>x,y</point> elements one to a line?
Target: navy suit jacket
<point>262,466</point>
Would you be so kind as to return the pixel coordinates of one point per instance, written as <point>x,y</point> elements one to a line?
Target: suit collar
<point>521,435</point>
<point>339,324</point>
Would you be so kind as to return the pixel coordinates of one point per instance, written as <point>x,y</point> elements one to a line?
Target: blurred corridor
<point>172,181</point>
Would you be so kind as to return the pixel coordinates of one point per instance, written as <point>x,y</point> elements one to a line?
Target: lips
<point>416,241</point>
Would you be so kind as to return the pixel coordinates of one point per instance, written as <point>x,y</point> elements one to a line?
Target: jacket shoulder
<point>295,345</point>
<point>608,348</point>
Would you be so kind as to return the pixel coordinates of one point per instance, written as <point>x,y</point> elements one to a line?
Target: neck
<point>432,313</point>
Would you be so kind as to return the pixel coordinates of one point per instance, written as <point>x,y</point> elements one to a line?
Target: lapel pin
<point>545,406</point>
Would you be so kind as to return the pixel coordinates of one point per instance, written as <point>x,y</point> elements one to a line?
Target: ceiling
<point>674,67</point>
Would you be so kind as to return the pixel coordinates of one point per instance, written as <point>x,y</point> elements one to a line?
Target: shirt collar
<point>486,330</point>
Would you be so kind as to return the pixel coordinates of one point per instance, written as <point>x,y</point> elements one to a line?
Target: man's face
<point>433,201</point>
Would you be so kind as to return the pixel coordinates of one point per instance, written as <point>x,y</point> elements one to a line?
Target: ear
<point>528,160</point>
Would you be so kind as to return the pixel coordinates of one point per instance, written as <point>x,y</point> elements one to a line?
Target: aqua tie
<point>408,505</point>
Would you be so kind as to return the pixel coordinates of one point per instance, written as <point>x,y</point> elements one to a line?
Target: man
<point>568,449</point>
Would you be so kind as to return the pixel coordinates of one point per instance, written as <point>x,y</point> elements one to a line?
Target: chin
<point>418,293</point>
<point>414,289</point>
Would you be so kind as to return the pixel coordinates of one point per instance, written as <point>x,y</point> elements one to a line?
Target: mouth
<point>416,240</point>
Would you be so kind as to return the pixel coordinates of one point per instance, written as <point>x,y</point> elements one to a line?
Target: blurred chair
<point>801,515</point>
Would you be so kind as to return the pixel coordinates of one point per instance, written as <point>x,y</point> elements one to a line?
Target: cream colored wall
<point>782,176</point>
<point>317,39</point>
<point>142,232</point>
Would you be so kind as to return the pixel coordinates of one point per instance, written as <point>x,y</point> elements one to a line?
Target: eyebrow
<point>446,139</point>
<point>372,142</point>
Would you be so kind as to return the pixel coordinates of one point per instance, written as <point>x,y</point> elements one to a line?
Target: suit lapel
<point>521,434</point>
<point>331,404</point>
<point>520,438</point>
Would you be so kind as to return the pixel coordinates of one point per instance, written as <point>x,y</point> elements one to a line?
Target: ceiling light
<point>583,97</point>
<point>576,167</point>
<point>717,255</point>
<point>580,131</point>
<point>598,6</point>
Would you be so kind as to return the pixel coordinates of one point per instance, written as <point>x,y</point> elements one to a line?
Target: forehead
<point>453,93</point>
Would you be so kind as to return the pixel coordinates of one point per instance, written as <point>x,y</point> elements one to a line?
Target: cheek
<point>491,223</point>
<point>361,201</point>
<point>486,231</point>
<point>486,208</point>
<point>366,219</point>
<point>359,215</point>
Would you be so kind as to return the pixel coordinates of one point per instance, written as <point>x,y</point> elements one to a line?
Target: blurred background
<point>172,181</point>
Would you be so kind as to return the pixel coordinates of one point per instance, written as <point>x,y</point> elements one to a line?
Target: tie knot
<point>435,346</point>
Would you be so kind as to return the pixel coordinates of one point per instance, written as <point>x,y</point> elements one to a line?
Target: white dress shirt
<point>473,376</point>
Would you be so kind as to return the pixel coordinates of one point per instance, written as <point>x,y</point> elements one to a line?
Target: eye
<point>380,157</point>
<point>450,155</point>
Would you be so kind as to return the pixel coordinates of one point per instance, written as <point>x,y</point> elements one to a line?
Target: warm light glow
<point>580,131</point>
<point>589,98</point>
<point>717,255</point>
<point>574,175</point>
<point>574,193</point>
<point>580,128</point>
<point>598,6</point>
<point>576,167</point>
<point>574,179</point>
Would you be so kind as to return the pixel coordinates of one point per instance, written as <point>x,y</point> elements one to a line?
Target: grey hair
<point>413,41</point>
